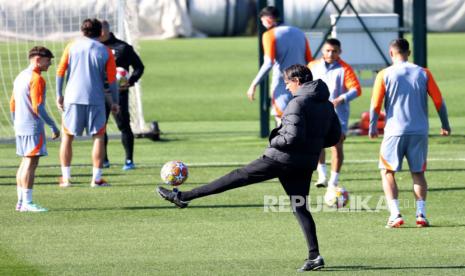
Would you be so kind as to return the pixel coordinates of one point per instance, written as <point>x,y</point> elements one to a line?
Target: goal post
<point>24,24</point>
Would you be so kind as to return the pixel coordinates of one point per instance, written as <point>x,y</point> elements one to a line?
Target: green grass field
<point>196,90</point>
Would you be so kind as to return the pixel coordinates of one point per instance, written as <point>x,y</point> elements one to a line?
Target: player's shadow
<point>367,267</point>
<point>446,189</point>
<point>158,207</point>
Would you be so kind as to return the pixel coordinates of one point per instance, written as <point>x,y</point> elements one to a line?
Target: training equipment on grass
<point>337,197</point>
<point>174,173</point>
<point>122,76</point>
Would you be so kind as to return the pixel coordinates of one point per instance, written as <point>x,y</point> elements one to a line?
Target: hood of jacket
<point>317,90</point>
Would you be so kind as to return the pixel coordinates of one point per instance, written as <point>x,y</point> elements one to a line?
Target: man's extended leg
<point>259,170</point>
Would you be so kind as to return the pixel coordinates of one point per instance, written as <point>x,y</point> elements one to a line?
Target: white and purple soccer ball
<point>174,173</point>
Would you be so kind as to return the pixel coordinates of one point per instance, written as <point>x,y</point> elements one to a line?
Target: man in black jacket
<point>309,124</point>
<point>125,57</point>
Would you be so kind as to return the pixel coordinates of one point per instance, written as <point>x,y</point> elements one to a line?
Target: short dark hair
<point>91,27</point>
<point>401,45</point>
<point>301,72</point>
<point>40,51</point>
<point>269,11</point>
<point>333,42</point>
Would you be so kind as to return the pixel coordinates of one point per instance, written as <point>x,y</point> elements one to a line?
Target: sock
<point>334,179</point>
<point>321,172</point>
<point>394,208</point>
<point>97,174</point>
<point>19,191</point>
<point>421,207</point>
<point>27,195</point>
<point>66,172</point>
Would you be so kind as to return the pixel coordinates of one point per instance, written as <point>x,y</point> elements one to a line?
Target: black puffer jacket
<point>309,124</point>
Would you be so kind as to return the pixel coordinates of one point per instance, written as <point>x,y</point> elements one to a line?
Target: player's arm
<point>377,98</point>
<point>61,71</point>
<point>137,66</point>
<point>351,83</point>
<point>12,106</point>
<point>37,92</point>
<point>269,49</point>
<point>439,104</point>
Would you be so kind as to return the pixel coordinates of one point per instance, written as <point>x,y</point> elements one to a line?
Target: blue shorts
<point>77,117</point>
<point>31,145</point>
<point>394,148</point>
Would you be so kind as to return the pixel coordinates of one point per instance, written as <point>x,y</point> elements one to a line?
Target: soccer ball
<point>337,197</point>
<point>174,173</point>
<point>122,76</point>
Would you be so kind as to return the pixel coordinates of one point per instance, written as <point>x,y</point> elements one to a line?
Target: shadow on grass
<point>363,267</point>
<point>446,189</point>
<point>158,207</point>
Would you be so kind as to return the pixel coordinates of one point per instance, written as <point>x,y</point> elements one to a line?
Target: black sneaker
<point>172,196</point>
<point>315,264</point>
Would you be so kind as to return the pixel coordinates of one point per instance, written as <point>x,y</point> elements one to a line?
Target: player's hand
<point>251,92</point>
<point>339,100</point>
<point>60,103</point>
<point>445,132</point>
<point>115,108</point>
<point>55,135</point>
<point>373,135</point>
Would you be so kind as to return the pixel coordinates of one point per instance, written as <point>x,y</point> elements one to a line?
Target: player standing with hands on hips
<point>27,106</point>
<point>125,57</point>
<point>404,87</point>
<point>309,123</point>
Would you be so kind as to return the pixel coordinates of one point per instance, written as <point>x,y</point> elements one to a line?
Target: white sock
<point>334,179</point>
<point>394,208</point>
<point>27,195</point>
<point>421,207</point>
<point>97,174</point>
<point>19,191</point>
<point>321,172</point>
<point>66,172</point>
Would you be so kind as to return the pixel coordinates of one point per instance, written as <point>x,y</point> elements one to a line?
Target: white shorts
<point>394,148</point>
<point>77,117</point>
<point>31,145</point>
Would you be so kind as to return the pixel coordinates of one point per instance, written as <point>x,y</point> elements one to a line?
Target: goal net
<point>24,24</point>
